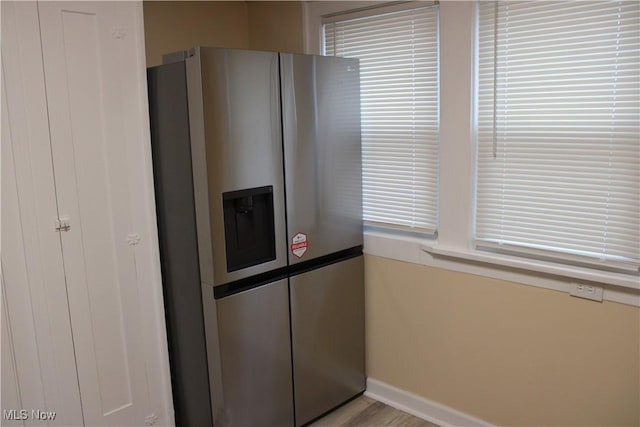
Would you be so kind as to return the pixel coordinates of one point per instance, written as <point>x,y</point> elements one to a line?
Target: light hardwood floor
<point>366,412</point>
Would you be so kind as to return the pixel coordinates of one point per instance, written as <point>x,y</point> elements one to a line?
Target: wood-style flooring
<point>366,412</point>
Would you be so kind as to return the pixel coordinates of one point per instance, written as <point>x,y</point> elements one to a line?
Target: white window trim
<point>453,248</point>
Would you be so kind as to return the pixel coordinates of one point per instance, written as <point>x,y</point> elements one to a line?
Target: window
<point>558,172</point>
<point>458,240</point>
<point>398,52</point>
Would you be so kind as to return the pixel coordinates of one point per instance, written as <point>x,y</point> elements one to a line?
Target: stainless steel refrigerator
<point>257,166</point>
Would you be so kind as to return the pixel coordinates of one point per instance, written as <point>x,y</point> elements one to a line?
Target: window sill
<point>619,288</point>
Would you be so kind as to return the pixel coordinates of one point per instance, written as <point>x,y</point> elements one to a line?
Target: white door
<point>38,362</point>
<point>82,315</point>
<point>92,74</point>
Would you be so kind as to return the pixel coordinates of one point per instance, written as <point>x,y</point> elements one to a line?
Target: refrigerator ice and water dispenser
<point>249,229</point>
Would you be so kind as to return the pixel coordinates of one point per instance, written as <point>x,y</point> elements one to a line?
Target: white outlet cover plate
<point>582,290</point>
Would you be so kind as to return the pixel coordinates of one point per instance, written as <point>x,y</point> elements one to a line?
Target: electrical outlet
<point>582,290</point>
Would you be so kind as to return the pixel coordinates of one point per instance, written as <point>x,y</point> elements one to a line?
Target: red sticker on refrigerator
<point>299,244</point>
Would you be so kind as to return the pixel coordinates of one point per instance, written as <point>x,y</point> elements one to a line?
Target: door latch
<point>62,224</point>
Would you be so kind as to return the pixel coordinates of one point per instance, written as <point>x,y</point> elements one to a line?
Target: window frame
<point>453,249</point>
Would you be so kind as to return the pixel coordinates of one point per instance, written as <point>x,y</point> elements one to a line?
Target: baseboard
<point>419,406</point>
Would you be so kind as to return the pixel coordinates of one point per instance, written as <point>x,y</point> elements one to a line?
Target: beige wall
<point>261,25</point>
<point>276,25</point>
<point>176,25</point>
<point>507,353</point>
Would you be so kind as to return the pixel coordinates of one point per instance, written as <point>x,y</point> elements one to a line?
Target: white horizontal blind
<point>398,54</point>
<point>558,130</point>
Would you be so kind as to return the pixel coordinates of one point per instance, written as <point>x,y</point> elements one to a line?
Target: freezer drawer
<point>255,353</point>
<point>327,323</point>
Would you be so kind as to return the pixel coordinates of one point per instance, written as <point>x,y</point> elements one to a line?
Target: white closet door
<point>38,362</point>
<point>91,68</point>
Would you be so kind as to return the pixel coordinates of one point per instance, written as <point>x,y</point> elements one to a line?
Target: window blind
<point>398,54</point>
<point>558,170</point>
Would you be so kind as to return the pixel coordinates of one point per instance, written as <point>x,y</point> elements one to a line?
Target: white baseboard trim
<point>419,406</point>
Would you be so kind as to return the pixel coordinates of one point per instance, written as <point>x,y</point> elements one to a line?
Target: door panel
<point>242,145</point>
<point>36,311</point>
<point>327,325</point>
<point>85,46</point>
<point>255,355</point>
<point>321,116</point>
<point>10,395</point>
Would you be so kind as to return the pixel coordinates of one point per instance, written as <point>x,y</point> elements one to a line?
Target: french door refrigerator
<point>257,168</point>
